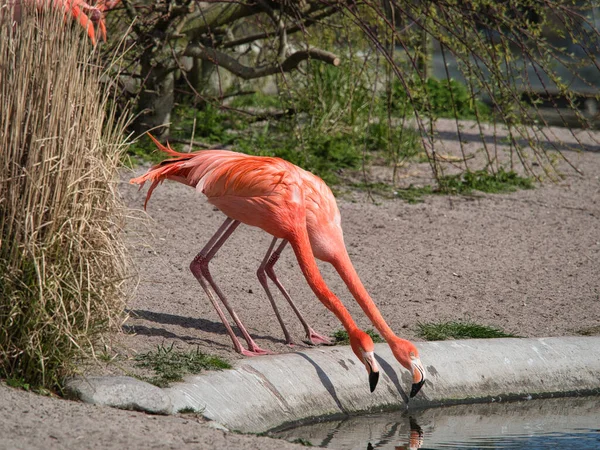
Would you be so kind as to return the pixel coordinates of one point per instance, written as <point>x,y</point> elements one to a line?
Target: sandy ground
<point>30,421</point>
<point>525,262</point>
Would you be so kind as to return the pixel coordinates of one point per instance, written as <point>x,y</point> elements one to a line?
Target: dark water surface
<point>565,423</point>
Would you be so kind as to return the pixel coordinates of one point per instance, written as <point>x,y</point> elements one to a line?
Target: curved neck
<point>301,246</point>
<point>346,270</point>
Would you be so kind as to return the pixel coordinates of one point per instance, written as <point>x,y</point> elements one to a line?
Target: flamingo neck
<point>346,270</point>
<point>310,270</point>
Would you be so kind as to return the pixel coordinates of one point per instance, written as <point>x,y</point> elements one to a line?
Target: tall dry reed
<point>62,262</point>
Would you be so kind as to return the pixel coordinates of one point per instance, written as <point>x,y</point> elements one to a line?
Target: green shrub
<point>438,98</point>
<point>334,97</point>
<point>395,142</point>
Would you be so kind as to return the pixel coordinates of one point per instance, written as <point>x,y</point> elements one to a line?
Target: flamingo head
<point>408,355</point>
<point>363,348</point>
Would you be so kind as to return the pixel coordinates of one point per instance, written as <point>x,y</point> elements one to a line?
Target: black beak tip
<point>416,387</point>
<point>373,379</point>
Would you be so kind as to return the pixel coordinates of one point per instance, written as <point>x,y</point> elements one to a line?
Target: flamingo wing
<point>250,189</point>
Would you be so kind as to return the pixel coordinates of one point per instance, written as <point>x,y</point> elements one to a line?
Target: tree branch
<point>248,73</point>
<point>218,14</point>
<point>215,15</point>
<point>293,29</point>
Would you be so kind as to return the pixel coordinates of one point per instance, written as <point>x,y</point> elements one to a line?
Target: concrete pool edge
<point>261,394</point>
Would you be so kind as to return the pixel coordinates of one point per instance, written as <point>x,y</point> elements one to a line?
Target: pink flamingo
<point>285,201</point>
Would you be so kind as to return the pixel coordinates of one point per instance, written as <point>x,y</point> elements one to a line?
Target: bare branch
<point>248,73</point>
<point>293,29</point>
<point>294,59</point>
<point>215,15</point>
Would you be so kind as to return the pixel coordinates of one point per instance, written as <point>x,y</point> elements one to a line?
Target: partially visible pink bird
<point>262,192</point>
<point>87,15</point>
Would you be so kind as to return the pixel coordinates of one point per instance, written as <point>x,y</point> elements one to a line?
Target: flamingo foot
<point>315,338</point>
<point>255,351</point>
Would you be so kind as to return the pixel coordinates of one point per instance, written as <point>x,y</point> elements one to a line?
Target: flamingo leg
<point>199,267</point>
<point>262,277</point>
<point>312,336</point>
<point>104,6</point>
<point>84,13</point>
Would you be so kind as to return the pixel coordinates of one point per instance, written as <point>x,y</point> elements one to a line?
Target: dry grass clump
<point>62,262</point>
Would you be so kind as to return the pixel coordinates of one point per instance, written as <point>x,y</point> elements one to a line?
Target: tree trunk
<point>156,99</point>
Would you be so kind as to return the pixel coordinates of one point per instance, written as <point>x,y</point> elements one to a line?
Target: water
<point>566,423</point>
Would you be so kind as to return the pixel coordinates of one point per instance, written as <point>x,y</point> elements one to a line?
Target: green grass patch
<point>340,337</point>
<point>459,330</point>
<point>484,181</point>
<point>170,364</point>
<point>461,184</point>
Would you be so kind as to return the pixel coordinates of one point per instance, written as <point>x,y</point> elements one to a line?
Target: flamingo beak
<point>372,368</point>
<point>418,376</point>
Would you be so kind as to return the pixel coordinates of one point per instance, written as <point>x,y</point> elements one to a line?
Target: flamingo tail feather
<point>163,170</point>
